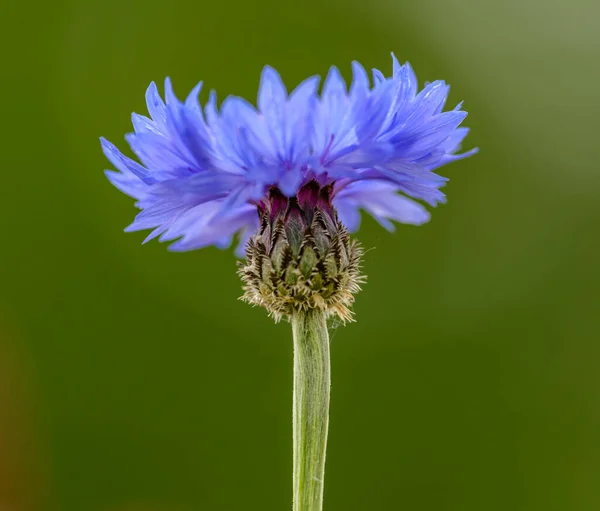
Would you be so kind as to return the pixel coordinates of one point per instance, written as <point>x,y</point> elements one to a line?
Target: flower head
<point>207,173</point>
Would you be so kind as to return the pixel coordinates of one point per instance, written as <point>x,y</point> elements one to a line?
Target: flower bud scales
<point>302,258</point>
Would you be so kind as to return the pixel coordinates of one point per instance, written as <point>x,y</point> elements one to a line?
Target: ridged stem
<point>312,382</point>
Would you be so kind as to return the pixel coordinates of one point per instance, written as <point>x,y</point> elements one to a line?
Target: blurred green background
<point>133,379</point>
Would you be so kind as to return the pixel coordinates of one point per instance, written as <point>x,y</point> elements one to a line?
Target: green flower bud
<point>302,258</point>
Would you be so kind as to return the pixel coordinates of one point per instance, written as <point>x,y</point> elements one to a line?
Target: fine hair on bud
<point>302,258</point>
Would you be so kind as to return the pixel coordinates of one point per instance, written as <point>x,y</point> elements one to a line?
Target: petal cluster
<point>204,170</point>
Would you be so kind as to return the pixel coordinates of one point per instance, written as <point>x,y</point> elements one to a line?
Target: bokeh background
<point>132,379</point>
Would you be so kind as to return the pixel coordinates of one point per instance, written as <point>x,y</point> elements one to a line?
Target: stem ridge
<point>312,381</point>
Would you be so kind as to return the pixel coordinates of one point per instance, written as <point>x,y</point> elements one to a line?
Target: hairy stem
<point>311,408</point>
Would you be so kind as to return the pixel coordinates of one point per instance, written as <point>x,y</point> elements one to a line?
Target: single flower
<point>290,178</point>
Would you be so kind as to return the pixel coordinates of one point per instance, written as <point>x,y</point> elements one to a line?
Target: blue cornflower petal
<point>205,171</point>
<point>156,107</point>
<point>360,88</point>
<point>124,164</point>
<point>128,183</point>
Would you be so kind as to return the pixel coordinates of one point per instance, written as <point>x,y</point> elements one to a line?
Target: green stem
<point>311,408</point>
